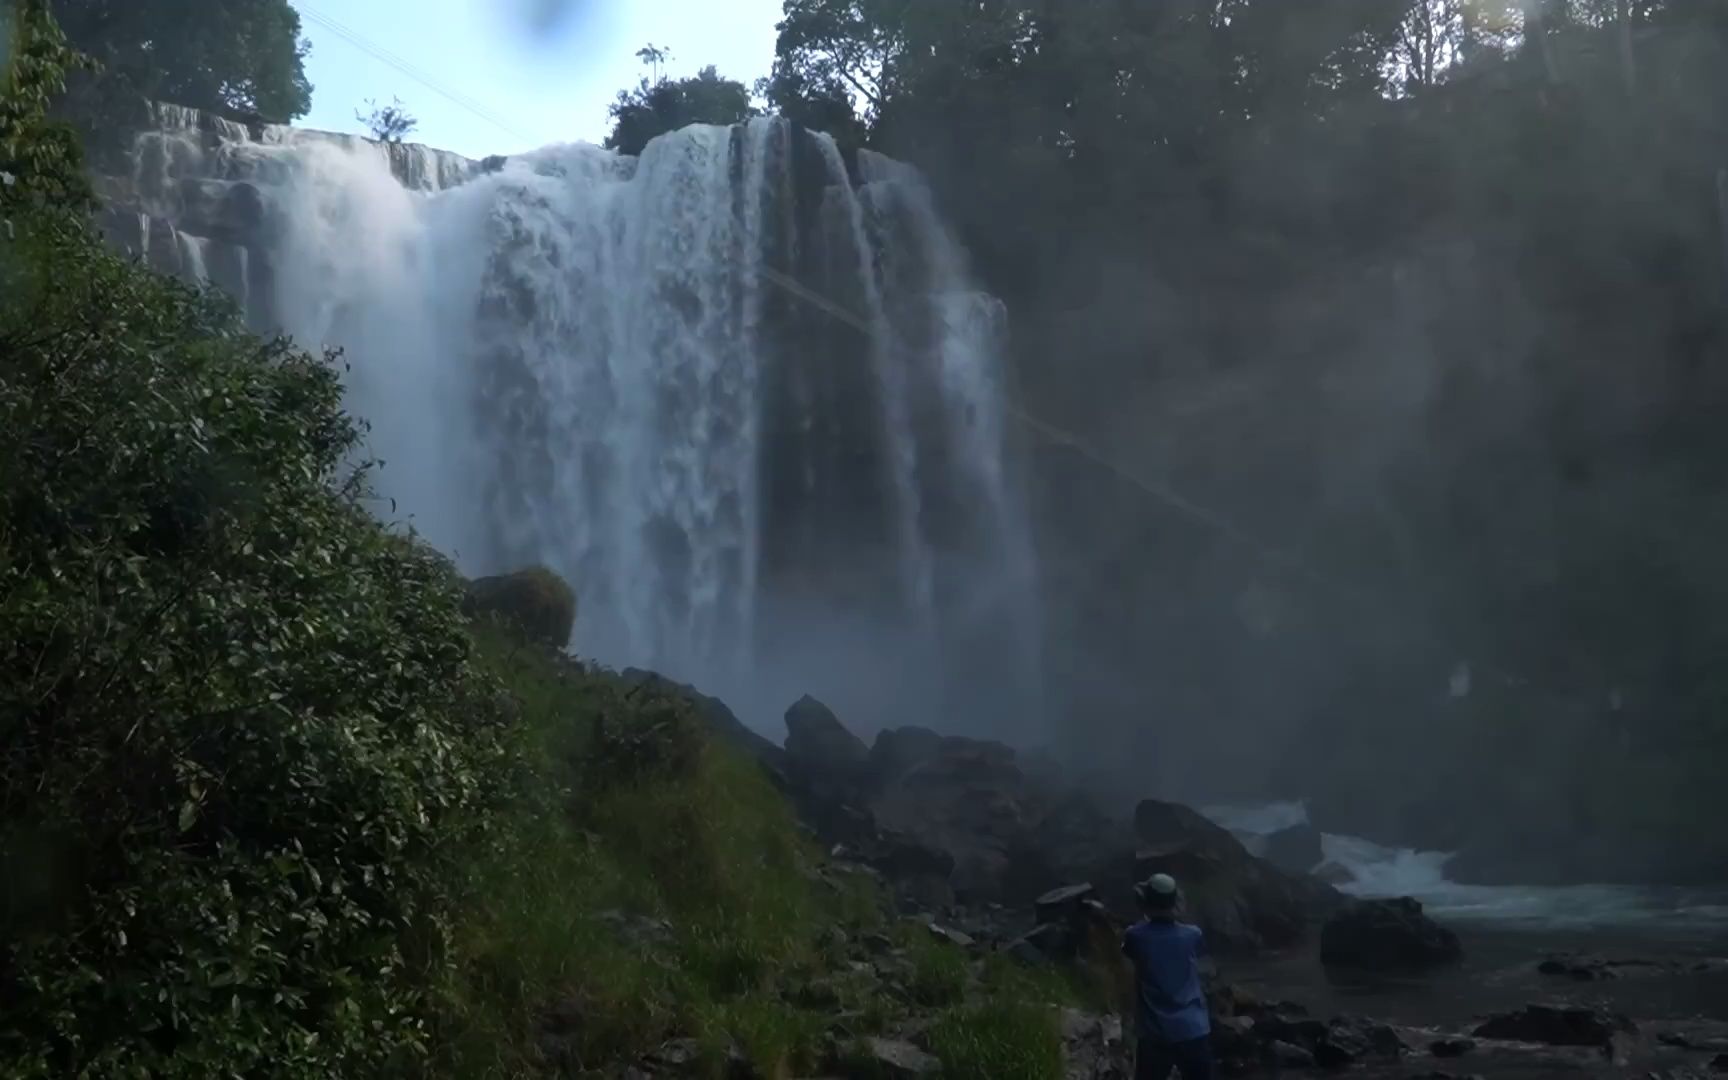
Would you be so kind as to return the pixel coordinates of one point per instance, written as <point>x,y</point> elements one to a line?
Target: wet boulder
<point>1387,935</point>
<point>1334,873</point>
<point>1242,902</point>
<point>719,718</point>
<point>898,750</point>
<point>818,744</point>
<point>897,1059</point>
<point>970,800</point>
<point>1093,1047</point>
<point>1597,969</point>
<point>1556,1025</point>
<point>1295,850</point>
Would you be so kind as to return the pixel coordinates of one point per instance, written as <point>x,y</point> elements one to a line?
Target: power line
<point>402,66</point>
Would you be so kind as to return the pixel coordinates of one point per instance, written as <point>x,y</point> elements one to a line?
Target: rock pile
<point>958,821</point>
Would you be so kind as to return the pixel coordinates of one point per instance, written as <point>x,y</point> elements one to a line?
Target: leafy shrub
<point>535,602</point>
<point>241,740</point>
<point>41,163</point>
<point>939,971</point>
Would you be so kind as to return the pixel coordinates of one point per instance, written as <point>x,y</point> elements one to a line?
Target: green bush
<point>940,970</point>
<point>647,883</point>
<point>534,602</point>
<point>241,740</point>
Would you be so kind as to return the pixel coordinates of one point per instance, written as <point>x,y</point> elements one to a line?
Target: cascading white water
<point>754,412</point>
<point>969,333</point>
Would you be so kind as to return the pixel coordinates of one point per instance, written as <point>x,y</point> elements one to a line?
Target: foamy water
<point>1377,871</point>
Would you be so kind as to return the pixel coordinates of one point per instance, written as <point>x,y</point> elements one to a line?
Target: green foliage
<point>387,123</point>
<point>940,971</point>
<point>649,884</point>
<point>240,739</point>
<point>241,58</point>
<point>663,891</point>
<point>999,1039</point>
<point>40,162</point>
<point>534,602</point>
<point>654,108</point>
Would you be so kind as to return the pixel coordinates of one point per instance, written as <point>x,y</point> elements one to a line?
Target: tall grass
<point>652,883</point>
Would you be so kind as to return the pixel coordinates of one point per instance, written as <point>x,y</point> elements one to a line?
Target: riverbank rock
<point>1556,1025</point>
<point>1295,850</point>
<point>1249,1034</point>
<point>915,800</point>
<point>1093,1047</point>
<point>720,719</point>
<point>1334,873</point>
<point>1598,969</point>
<point>1451,1047</point>
<point>1387,935</point>
<point>817,743</point>
<point>535,602</point>
<point>896,1060</point>
<point>1241,902</point>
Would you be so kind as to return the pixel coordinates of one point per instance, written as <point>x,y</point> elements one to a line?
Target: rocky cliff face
<point>182,190</point>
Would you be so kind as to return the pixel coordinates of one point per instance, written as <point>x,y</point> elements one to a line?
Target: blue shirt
<point>1169,1003</point>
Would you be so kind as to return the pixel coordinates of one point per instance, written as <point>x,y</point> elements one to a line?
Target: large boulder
<point>1387,935</point>
<point>721,721</point>
<point>898,750</point>
<point>1077,932</point>
<point>1243,903</point>
<point>1555,1025</point>
<point>1250,1035</point>
<point>1007,837</point>
<point>536,603</point>
<point>969,799</point>
<point>819,746</point>
<point>1093,1047</point>
<point>1296,850</point>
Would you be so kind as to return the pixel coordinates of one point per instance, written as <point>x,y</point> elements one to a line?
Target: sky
<point>545,71</point>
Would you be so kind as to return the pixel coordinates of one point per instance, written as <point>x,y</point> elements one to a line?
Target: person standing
<point>1174,1027</point>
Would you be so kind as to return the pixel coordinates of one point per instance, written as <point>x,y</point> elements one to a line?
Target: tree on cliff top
<point>388,123</point>
<point>237,57</point>
<point>654,108</point>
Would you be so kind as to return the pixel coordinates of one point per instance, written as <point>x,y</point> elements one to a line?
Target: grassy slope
<point>655,886</point>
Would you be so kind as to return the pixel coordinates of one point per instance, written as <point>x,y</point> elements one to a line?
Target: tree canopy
<point>663,105</point>
<point>240,58</point>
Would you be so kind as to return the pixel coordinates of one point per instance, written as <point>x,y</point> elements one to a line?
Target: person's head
<point>1159,896</point>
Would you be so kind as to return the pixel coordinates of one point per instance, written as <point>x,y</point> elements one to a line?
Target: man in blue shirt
<point>1175,1029</point>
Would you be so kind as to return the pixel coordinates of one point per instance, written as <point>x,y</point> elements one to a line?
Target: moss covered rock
<point>535,602</point>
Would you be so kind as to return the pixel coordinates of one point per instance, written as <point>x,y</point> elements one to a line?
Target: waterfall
<point>752,409</point>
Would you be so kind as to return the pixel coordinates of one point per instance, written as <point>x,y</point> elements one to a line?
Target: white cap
<point>1162,884</point>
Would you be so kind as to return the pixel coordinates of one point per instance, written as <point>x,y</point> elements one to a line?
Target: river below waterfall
<point>1507,931</point>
